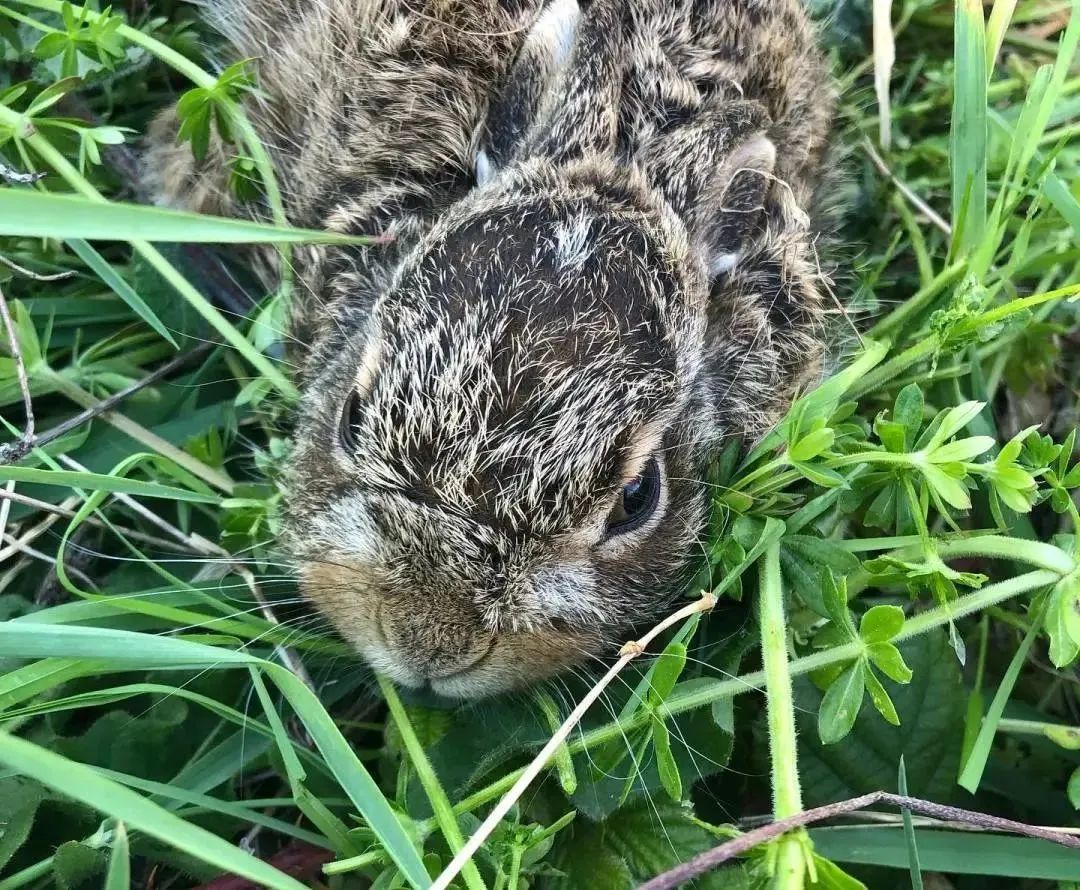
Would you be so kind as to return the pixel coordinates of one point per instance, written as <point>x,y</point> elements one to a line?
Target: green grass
<point>913,540</point>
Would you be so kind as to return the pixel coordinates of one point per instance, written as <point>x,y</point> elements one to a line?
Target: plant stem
<point>23,127</point>
<point>425,772</point>
<point>783,748</point>
<point>889,371</point>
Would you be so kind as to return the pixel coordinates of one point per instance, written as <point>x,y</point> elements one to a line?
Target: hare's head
<point>497,474</point>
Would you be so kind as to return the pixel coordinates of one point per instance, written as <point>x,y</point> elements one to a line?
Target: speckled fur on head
<point>600,258</point>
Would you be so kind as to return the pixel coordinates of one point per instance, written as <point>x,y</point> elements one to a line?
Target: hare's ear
<point>735,209</point>
<point>717,173</point>
<point>560,98</point>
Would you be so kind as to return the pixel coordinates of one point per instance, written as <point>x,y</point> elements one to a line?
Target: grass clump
<point>897,565</point>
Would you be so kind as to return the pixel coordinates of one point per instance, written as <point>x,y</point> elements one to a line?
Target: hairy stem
<point>425,772</point>
<point>783,748</point>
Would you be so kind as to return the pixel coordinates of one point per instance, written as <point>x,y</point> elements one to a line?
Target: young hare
<point>600,269</point>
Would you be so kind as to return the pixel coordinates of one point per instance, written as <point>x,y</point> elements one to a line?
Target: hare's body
<point>599,270</point>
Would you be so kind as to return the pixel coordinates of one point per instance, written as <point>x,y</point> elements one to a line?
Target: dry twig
<point>629,652</point>
<point>717,856</point>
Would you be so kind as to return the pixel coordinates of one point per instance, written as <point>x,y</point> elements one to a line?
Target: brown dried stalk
<point>744,843</point>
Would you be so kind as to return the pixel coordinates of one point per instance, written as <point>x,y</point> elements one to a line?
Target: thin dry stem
<point>20,368</point>
<point>17,450</point>
<point>905,190</point>
<point>717,856</point>
<point>629,652</point>
<point>34,276</point>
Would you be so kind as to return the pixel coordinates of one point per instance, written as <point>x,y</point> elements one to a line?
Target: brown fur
<point>633,276</point>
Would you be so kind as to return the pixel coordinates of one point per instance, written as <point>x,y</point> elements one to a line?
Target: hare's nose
<point>433,645</point>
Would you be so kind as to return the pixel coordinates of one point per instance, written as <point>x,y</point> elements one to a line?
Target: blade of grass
<point>909,831</point>
<point>320,816</point>
<point>121,288</point>
<point>213,805</point>
<point>102,482</point>
<point>971,774</point>
<point>126,647</point>
<point>118,877</point>
<point>950,852</point>
<point>968,133</point>
<point>83,784</point>
<point>46,215</point>
<point>1000,16</point>
<point>884,58</point>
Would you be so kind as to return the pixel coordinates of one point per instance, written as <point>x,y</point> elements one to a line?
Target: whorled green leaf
<point>931,713</point>
<point>665,760</point>
<point>887,658</point>
<point>880,698</point>
<point>841,704</point>
<point>669,667</point>
<point>881,623</point>
<point>1063,621</point>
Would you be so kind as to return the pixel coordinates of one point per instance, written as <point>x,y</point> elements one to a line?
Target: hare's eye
<point>636,502</point>
<point>350,421</point>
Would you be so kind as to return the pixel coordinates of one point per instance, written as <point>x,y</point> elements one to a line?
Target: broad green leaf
<point>75,864</point>
<point>1074,788</point>
<point>841,704</point>
<point>646,837</point>
<point>16,828</point>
